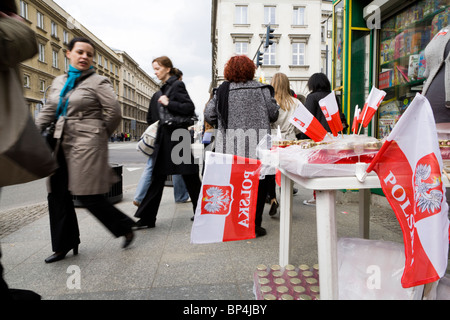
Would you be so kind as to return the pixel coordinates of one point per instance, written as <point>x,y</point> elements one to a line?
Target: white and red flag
<point>330,109</point>
<point>409,166</point>
<point>373,101</point>
<point>355,124</point>
<point>227,202</point>
<point>307,123</point>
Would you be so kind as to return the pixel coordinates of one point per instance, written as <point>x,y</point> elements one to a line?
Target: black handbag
<point>175,120</point>
<point>48,133</point>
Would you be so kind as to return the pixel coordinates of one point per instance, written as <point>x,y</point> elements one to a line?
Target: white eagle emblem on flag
<point>216,200</point>
<point>428,198</point>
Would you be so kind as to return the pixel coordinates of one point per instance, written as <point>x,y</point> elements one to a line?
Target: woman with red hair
<point>242,109</point>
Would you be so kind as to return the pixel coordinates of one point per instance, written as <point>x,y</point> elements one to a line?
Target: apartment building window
<point>55,59</point>
<point>241,16</point>
<point>40,20</point>
<point>106,64</point>
<point>99,59</point>
<point>241,48</point>
<point>41,55</point>
<point>54,29</point>
<point>41,85</point>
<point>65,37</point>
<point>299,16</point>
<point>26,81</point>
<point>269,15</point>
<point>66,64</point>
<point>24,9</point>
<point>298,54</point>
<point>269,55</point>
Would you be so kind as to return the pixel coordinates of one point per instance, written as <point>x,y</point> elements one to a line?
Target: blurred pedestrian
<point>17,43</point>
<point>243,103</point>
<point>437,86</point>
<point>86,112</point>
<point>288,103</point>
<point>174,100</point>
<point>180,192</point>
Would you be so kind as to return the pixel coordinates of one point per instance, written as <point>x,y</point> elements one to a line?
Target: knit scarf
<point>72,76</point>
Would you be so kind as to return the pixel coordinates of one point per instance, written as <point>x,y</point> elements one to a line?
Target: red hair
<point>239,69</point>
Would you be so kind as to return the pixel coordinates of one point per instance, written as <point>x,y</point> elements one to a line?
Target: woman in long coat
<point>173,154</point>
<point>87,113</point>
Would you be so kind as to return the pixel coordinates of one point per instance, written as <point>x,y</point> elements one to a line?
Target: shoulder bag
<point>175,120</point>
<point>146,143</point>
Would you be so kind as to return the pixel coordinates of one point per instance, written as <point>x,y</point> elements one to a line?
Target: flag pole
<point>446,174</point>
<point>362,121</point>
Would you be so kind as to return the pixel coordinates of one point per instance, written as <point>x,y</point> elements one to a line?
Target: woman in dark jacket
<point>170,157</point>
<point>320,87</point>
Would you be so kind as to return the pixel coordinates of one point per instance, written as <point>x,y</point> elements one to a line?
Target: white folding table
<point>326,223</point>
<point>325,188</point>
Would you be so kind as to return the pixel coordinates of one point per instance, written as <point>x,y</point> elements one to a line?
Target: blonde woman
<point>288,104</point>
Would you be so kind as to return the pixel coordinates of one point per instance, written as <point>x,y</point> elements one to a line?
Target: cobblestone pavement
<point>14,219</point>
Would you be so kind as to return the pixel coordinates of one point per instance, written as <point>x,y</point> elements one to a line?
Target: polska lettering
<point>244,203</point>
<point>399,194</point>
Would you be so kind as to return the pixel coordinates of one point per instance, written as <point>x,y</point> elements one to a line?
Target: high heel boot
<point>61,255</point>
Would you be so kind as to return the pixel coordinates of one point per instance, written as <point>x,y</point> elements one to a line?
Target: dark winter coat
<point>312,104</point>
<point>173,157</point>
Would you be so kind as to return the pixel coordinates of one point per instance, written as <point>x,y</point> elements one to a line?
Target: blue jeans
<point>144,182</point>
<point>180,192</point>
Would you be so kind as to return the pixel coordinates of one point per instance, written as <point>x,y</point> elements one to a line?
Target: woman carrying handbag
<point>87,113</point>
<point>174,102</point>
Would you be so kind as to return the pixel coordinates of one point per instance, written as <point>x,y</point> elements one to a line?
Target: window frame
<point>241,17</point>
<point>296,17</point>
<point>269,12</point>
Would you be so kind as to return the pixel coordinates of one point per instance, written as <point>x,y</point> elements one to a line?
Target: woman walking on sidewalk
<point>86,112</point>
<point>176,101</point>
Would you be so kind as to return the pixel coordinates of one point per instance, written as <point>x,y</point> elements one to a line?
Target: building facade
<point>302,36</point>
<point>55,28</point>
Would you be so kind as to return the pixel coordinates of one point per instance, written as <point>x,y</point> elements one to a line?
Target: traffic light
<point>269,36</point>
<point>259,58</point>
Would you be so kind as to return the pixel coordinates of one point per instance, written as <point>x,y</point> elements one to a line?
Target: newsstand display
<point>402,63</point>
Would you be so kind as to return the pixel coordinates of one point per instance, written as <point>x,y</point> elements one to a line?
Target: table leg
<point>285,219</point>
<point>327,244</point>
<point>364,213</point>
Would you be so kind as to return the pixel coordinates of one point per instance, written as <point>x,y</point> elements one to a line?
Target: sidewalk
<point>161,263</point>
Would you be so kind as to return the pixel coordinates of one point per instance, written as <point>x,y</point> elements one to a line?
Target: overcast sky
<point>147,29</point>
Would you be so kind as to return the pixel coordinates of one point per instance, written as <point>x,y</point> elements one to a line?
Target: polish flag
<point>227,201</point>
<point>330,109</point>
<point>373,101</point>
<point>307,123</point>
<point>409,166</point>
<point>355,124</point>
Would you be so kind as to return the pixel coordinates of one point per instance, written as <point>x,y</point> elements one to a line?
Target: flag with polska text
<point>409,166</point>
<point>227,202</point>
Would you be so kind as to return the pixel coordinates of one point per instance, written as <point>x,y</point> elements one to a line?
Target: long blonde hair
<point>280,83</point>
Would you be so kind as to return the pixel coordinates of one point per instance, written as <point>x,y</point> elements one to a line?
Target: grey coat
<point>251,110</point>
<point>93,114</point>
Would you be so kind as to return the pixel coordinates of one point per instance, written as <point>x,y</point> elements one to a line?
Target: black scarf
<point>222,102</point>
